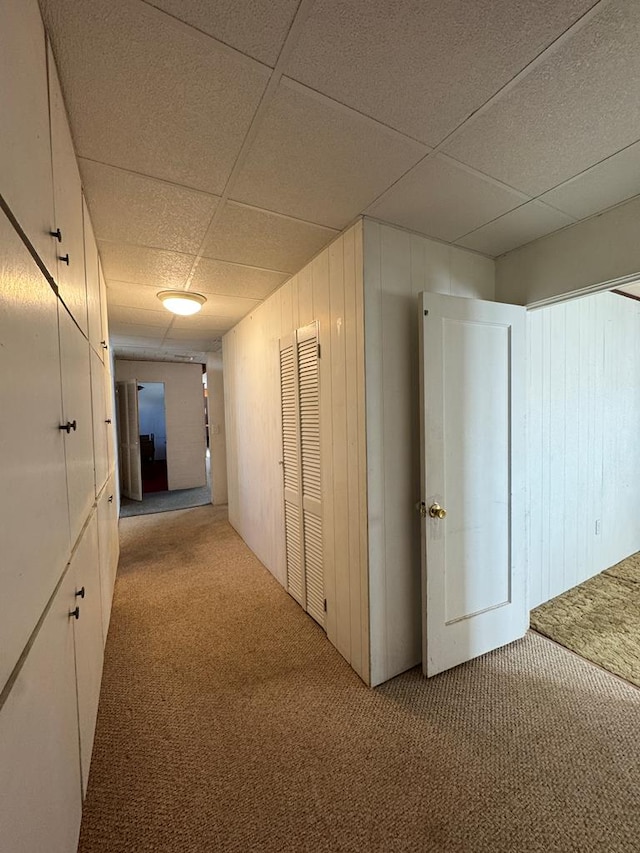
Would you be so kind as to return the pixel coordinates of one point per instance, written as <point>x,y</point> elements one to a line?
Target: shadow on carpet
<point>166,501</point>
<point>600,619</point>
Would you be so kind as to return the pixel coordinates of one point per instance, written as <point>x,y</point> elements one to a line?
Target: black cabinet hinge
<point>325,605</point>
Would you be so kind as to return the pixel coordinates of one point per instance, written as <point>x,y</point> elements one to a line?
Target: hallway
<point>228,723</point>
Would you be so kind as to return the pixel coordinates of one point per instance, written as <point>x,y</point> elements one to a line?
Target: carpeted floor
<point>165,501</point>
<point>599,620</point>
<point>229,723</point>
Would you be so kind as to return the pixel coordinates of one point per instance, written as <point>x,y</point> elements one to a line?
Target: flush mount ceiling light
<point>182,301</point>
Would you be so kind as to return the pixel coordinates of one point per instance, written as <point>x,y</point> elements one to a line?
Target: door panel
<point>88,639</point>
<point>76,404</point>
<point>33,552</point>
<point>100,426</point>
<point>41,800</point>
<point>108,551</point>
<point>94,317</point>
<point>300,398</point>
<point>25,146</point>
<point>67,194</point>
<point>472,383</point>
<point>129,439</point>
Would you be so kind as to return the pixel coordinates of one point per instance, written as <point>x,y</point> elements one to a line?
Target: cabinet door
<point>88,639</point>
<point>25,147</point>
<point>108,543</point>
<point>76,405</point>
<point>98,402</point>
<point>34,531</point>
<point>104,340</point>
<point>67,196</point>
<point>41,800</point>
<point>94,318</point>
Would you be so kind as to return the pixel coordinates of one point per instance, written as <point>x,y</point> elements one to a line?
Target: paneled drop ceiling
<point>223,143</point>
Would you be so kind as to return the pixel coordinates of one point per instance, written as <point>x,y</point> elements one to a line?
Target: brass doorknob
<point>436,511</point>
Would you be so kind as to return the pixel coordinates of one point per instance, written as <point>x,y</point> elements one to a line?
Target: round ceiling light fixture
<point>182,301</point>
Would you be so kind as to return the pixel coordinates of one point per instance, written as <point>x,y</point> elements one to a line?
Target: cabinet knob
<point>75,613</point>
<point>70,425</point>
<point>80,592</point>
<point>57,234</point>
<point>64,259</point>
<point>108,421</point>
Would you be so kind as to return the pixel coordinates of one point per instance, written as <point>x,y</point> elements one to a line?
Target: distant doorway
<point>153,437</point>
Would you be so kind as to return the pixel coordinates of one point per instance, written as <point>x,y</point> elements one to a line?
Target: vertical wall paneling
<point>252,384</point>
<point>217,432</point>
<point>397,267</point>
<point>339,449</point>
<point>583,458</point>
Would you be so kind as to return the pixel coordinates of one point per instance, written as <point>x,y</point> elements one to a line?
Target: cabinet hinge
<point>318,350</point>
<point>325,605</point>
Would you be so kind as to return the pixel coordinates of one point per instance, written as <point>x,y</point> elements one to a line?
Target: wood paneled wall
<point>184,410</point>
<point>398,266</point>
<point>583,448</point>
<point>328,290</point>
<point>217,431</point>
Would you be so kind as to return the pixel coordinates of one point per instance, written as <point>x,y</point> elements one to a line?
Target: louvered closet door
<point>309,393</point>
<point>291,469</point>
<point>300,395</point>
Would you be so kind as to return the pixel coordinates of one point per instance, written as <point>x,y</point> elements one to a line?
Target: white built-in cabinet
<point>59,531</point>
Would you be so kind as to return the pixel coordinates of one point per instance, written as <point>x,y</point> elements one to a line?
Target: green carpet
<point>600,619</point>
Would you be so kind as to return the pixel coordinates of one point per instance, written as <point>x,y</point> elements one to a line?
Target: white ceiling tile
<point>149,94</point>
<point>126,294</point>
<point>572,110</point>
<point>224,310</point>
<point>516,228</point>
<point>140,265</point>
<point>604,185</point>
<point>131,330</point>
<point>441,199</point>
<point>423,67</point>
<point>258,28</point>
<point>204,323</point>
<point>318,161</point>
<point>201,343</point>
<point>247,235</point>
<point>234,280</point>
<point>633,289</point>
<point>132,208</point>
<point>139,316</point>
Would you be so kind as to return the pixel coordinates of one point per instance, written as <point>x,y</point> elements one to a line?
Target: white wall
<point>328,290</point>
<point>583,448</point>
<point>217,430</point>
<point>601,249</point>
<point>184,411</point>
<point>398,266</point>
<point>151,416</point>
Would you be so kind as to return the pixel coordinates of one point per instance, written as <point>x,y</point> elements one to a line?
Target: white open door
<point>129,439</point>
<point>472,362</point>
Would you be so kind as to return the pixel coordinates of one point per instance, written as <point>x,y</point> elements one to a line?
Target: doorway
<point>153,436</point>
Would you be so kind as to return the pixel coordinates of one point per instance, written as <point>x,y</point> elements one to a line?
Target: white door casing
<point>472,383</point>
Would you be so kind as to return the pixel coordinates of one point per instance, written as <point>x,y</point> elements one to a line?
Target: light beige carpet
<point>229,723</point>
<point>600,619</point>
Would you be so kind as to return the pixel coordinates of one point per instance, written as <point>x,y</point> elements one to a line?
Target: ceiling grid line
<point>301,14</point>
